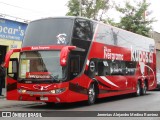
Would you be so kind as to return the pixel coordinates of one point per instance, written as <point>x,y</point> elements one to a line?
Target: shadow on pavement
<point>67,106</point>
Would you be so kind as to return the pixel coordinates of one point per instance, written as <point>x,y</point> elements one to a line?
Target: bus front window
<point>51,31</point>
<point>41,65</point>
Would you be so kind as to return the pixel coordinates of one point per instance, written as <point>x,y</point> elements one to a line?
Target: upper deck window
<point>104,35</point>
<point>82,30</point>
<point>49,32</point>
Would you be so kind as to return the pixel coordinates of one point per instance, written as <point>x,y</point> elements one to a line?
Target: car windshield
<point>41,65</point>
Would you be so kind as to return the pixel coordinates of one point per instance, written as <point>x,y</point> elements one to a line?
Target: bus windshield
<point>41,65</point>
<point>51,31</point>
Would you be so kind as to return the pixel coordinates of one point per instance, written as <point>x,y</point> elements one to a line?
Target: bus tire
<point>144,89</point>
<point>138,89</point>
<point>91,94</point>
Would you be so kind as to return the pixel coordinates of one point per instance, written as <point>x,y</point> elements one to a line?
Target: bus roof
<point>98,22</point>
<point>69,17</point>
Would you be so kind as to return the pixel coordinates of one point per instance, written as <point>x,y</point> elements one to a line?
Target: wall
<point>156,37</point>
<point>11,34</point>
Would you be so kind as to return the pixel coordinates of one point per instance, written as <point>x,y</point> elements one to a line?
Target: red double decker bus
<point>70,59</point>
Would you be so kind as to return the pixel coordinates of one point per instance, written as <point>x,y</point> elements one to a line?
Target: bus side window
<point>103,68</point>
<point>74,66</point>
<point>100,68</point>
<point>106,67</point>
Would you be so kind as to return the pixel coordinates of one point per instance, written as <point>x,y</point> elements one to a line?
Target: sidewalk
<point>11,103</point>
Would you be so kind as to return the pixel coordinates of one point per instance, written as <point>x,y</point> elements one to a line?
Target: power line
<point>14,18</point>
<point>21,7</point>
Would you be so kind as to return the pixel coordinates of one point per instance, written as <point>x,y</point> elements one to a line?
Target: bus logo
<point>38,87</point>
<point>61,38</point>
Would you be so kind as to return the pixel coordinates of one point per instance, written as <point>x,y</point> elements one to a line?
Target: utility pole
<point>80,7</point>
<point>144,1</point>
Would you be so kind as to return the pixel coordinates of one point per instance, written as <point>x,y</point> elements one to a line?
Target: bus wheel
<point>138,89</point>
<point>91,94</point>
<point>144,89</point>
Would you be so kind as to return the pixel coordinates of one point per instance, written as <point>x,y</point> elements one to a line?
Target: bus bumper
<point>40,98</point>
<point>65,97</point>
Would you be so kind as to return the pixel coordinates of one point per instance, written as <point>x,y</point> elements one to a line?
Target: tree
<point>94,9</point>
<point>134,18</point>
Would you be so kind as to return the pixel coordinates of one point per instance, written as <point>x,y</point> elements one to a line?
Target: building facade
<point>156,37</point>
<point>11,36</point>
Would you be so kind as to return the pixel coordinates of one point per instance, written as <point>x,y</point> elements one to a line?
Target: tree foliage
<point>94,9</point>
<point>134,18</point>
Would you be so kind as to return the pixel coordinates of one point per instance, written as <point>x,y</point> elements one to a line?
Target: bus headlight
<point>57,91</point>
<point>53,91</point>
<point>22,91</point>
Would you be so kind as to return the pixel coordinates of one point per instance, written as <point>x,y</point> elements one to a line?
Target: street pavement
<point>10,103</point>
<point>149,102</point>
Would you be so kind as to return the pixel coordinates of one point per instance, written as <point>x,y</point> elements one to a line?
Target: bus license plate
<point>43,98</point>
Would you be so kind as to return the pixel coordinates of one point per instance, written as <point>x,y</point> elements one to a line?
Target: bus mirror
<point>8,55</point>
<point>64,54</point>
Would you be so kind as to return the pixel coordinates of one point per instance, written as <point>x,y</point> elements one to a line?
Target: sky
<point>35,9</point>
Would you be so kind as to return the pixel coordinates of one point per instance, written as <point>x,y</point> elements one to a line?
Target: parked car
<point>158,80</point>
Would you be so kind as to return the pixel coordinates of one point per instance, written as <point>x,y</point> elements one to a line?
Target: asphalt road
<point>149,102</point>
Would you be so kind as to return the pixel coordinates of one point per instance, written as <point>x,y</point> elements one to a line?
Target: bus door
<point>12,75</point>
